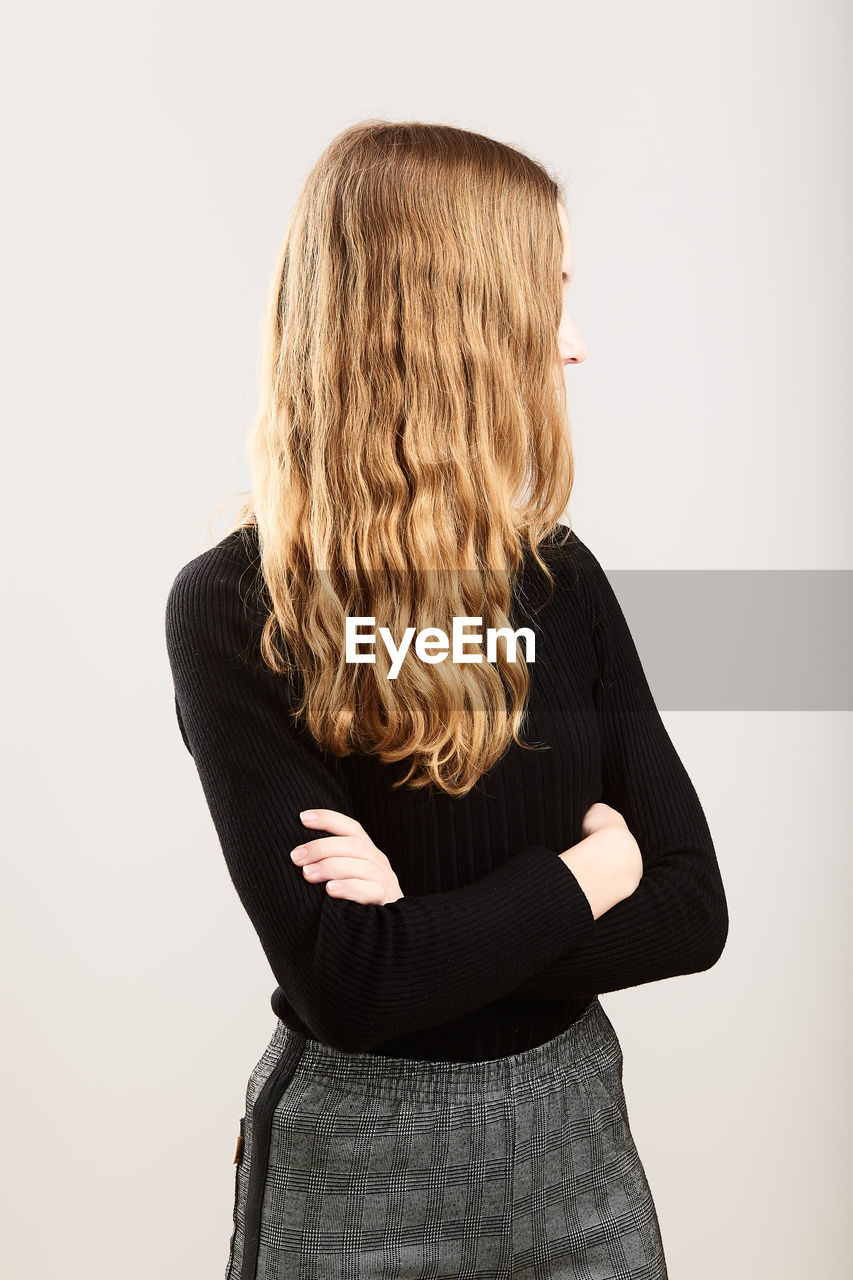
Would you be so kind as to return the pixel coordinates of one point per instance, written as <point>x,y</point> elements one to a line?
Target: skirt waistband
<point>588,1046</point>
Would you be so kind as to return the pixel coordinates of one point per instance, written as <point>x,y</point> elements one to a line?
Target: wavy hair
<point>411,443</point>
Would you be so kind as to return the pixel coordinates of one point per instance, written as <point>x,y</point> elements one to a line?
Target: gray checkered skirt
<point>354,1166</point>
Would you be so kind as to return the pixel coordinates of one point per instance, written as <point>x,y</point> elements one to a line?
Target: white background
<point>152,155</point>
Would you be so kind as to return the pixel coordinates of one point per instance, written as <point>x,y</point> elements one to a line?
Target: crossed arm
<point>360,973</point>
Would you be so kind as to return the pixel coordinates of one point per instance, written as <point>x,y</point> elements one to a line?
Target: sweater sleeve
<point>356,974</point>
<point>676,921</point>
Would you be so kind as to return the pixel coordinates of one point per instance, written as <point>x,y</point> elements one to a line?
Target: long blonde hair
<point>410,391</point>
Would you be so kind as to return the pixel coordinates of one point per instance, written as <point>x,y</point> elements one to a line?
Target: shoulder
<point>562,548</point>
<point>233,556</point>
<point>575,566</point>
<point>213,599</point>
<point>575,552</point>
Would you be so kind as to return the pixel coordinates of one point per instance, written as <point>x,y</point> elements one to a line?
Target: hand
<point>600,815</point>
<point>348,861</point>
<point>607,862</point>
<point>622,847</point>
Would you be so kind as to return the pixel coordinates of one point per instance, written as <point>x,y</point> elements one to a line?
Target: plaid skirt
<point>354,1166</point>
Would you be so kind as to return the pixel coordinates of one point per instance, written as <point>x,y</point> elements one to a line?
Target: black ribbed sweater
<point>493,948</point>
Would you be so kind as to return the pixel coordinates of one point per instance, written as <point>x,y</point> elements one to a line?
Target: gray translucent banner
<point>742,639</point>
<point>718,639</point>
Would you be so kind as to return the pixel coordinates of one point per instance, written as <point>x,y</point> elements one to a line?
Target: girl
<point>446,867</point>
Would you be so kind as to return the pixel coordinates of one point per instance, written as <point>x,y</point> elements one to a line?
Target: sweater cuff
<point>564,918</point>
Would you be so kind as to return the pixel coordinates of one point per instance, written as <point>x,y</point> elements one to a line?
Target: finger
<point>339,868</point>
<point>331,846</point>
<point>331,820</point>
<point>356,891</point>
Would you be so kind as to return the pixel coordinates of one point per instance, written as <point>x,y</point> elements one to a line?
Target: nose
<point>573,349</point>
